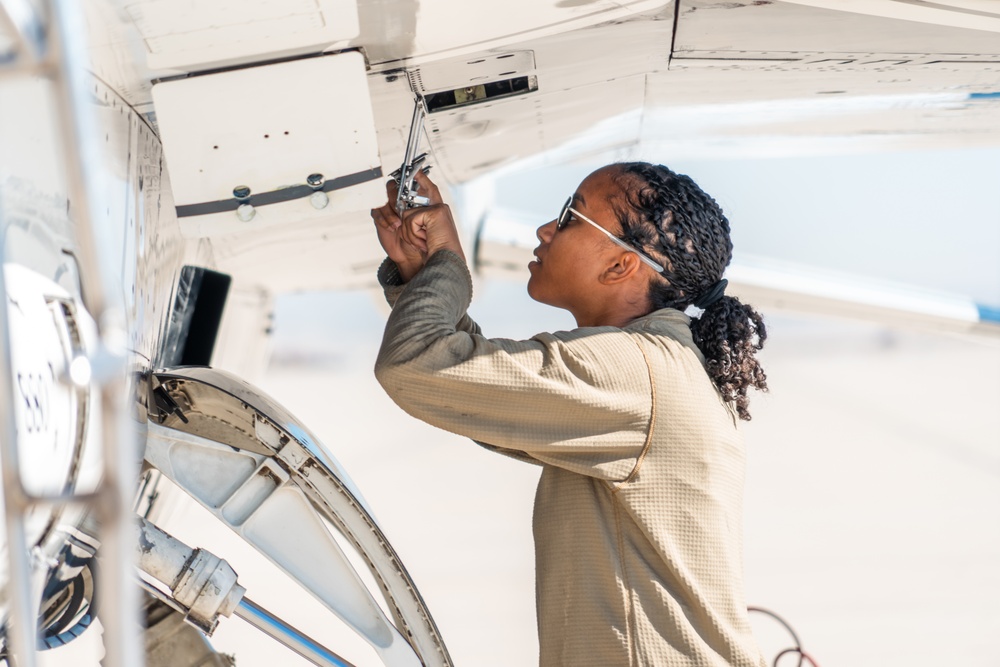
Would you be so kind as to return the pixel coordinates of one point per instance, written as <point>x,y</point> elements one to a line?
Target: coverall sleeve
<point>579,400</point>
<point>393,285</point>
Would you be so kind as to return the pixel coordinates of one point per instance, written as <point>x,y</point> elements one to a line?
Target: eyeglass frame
<point>563,219</point>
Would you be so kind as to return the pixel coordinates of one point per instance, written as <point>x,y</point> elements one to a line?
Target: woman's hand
<point>422,232</point>
<point>408,258</point>
<point>431,228</point>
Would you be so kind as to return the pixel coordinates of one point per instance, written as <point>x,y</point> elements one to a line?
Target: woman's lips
<point>535,262</point>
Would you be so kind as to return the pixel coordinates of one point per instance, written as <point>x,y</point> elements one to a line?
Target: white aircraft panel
<point>442,28</point>
<point>472,140</point>
<point>339,253</point>
<point>705,105</point>
<point>471,70</point>
<point>974,14</point>
<point>194,33</point>
<point>268,128</point>
<point>705,25</point>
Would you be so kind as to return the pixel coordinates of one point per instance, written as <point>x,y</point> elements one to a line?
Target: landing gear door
<point>249,462</point>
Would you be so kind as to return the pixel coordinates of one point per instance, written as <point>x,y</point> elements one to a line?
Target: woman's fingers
<point>391,190</point>
<point>421,231</point>
<point>427,187</point>
<point>408,251</point>
<point>414,228</point>
<point>387,216</point>
<point>387,225</point>
<point>431,228</point>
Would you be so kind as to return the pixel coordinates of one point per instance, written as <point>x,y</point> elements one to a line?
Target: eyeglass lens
<point>563,215</point>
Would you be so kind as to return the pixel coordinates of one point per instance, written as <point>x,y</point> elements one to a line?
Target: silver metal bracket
<point>202,583</point>
<point>203,587</point>
<point>407,196</point>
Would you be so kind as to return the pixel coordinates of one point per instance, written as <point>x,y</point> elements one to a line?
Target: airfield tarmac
<point>872,519</point>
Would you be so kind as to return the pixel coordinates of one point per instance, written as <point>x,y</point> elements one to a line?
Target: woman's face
<point>570,261</point>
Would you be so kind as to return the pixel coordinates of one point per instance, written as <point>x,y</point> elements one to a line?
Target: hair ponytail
<point>729,333</point>
<point>677,223</point>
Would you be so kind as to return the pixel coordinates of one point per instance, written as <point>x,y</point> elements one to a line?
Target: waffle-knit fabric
<point>638,513</point>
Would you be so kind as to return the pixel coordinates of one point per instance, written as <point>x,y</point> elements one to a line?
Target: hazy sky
<point>929,219</point>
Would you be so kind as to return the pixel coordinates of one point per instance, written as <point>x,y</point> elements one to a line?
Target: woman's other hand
<point>431,228</point>
<point>388,226</point>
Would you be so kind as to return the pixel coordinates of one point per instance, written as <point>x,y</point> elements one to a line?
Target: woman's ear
<point>625,267</point>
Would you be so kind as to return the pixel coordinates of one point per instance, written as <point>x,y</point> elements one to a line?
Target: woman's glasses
<point>567,211</point>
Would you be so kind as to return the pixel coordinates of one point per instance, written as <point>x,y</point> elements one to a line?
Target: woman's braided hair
<point>683,228</point>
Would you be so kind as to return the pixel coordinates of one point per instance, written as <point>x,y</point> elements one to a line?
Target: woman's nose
<point>545,232</point>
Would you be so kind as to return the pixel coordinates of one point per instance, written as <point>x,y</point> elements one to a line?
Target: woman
<point>632,416</point>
